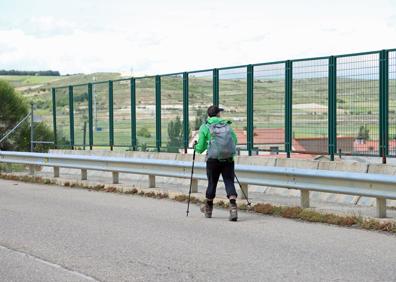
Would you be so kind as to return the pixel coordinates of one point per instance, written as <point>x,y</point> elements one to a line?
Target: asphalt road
<point>48,233</point>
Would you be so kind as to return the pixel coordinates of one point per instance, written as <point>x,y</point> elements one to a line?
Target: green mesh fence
<point>80,105</point>
<point>355,79</point>
<point>145,112</point>
<point>358,104</point>
<point>172,112</point>
<point>100,106</point>
<point>62,116</point>
<point>269,107</point>
<point>392,103</point>
<point>122,113</point>
<point>310,109</point>
<point>233,98</point>
<point>200,97</point>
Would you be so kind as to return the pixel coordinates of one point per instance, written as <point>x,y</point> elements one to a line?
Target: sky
<point>154,37</point>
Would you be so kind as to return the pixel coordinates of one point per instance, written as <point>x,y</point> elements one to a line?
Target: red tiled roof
<point>262,136</point>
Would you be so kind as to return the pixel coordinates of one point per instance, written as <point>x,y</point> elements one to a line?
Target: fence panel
<point>392,103</point>
<point>269,107</point>
<point>80,101</point>
<point>62,116</point>
<point>309,106</point>
<point>358,104</point>
<point>172,112</point>
<point>100,104</point>
<point>122,113</point>
<point>233,98</point>
<point>200,98</point>
<point>145,113</point>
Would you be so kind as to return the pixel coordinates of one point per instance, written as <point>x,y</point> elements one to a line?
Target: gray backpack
<point>221,145</point>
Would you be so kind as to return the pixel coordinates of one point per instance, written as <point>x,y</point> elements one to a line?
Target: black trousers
<point>213,170</point>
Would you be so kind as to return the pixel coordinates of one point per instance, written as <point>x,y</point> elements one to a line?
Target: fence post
<point>158,112</point>
<point>250,125</point>
<point>332,107</point>
<point>216,99</point>
<point>186,129</point>
<point>111,116</point>
<point>53,91</point>
<point>90,116</point>
<point>133,113</point>
<point>31,127</point>
<point>384,96</point>
<point>71,116</point>
<point>288,107</point>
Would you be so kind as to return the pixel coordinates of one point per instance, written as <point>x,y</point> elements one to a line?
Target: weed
<point>111,189</point>
<point>150,194</point>
<point>181,198</point>
<point>133,191</point>
<point>263,208</point>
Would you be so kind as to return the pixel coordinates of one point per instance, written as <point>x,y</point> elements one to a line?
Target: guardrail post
<point>133,113</point>
<point>194,186</point>
<point>288,107</point>
<point>111,116</point>
<point>332,107</point>
<point>116,177</point>
<point>186,130</point>
<point>71,116</point>
<point>158,112</point>
<point>56,171</point>
<point>31,170</point>
<point>381,207</point>
<point>216,99</point>
<point>250,124</point>
<point>245,193</point>
<point>384,96</point>
<point>304,199</point>
<point>90,116</point>
<point>84,174</point>
<point>53,91</point>
<point>151,181</point>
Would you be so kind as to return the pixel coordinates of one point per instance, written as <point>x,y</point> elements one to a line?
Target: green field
<point>357,103</point>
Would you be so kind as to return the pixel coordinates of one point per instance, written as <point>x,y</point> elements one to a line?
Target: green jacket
<point>204,134</point>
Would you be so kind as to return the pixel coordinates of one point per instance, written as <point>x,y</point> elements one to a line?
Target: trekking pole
<point>191,179</point>
<point>243,192</point>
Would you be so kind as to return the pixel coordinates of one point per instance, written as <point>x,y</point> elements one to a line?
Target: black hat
<point>214,110</point>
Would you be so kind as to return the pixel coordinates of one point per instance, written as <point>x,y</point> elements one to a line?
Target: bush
<point>175,134</point>
<point>144,132</point>
<point>13,108</point>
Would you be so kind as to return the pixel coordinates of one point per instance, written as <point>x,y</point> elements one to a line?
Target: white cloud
<point>156,38</point>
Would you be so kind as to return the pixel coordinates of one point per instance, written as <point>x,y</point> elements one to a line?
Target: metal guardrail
<point>380,186</point>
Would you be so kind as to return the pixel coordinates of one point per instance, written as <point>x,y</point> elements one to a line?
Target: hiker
<point>217,137</point>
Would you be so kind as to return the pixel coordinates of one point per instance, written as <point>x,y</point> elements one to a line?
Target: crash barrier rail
<point>379,186</point>
<point>341,104</point>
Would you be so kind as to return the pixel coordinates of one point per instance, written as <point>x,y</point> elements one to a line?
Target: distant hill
<point>37,88</point>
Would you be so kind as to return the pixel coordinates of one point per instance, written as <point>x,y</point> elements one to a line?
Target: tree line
<point>37,73</point>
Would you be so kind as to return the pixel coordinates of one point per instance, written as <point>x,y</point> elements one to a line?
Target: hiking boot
<point>233,212</point>
<point>206,209</point>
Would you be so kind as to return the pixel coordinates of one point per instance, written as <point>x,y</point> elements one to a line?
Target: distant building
<point>371,146</point>
<point>320,144</point>
<point>273,140</point>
